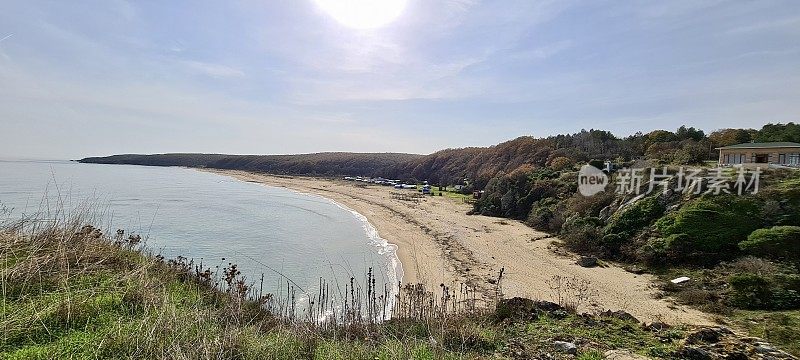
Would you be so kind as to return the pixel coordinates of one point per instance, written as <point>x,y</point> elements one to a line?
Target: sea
<point>278,238</point>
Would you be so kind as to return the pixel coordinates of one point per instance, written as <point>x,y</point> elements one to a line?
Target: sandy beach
<point>439,244</point>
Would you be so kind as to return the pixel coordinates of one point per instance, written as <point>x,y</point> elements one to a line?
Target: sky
<point>84,78</point>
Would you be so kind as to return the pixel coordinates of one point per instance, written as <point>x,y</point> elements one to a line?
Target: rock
<point>634,269</point>
<point>516,308</point>
<point>619,314</point>
<point>587,261</point>
<point>623,355</point>
<point>547,306</point>
<point>720,342</point>
<point>566,347</point>
<point>765,349</point>
<point>559,314</point>
<point>724,330</point>
<point>690,353</point>
<point>605,213</point>
<point>706,335</point>
<point>736,355</point>
<point>656,326</point>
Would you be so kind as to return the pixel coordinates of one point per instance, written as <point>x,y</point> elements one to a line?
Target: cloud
<point>279,77</point>
<point>790,24</point>
<point>542,52</point>
<point>213,70</point>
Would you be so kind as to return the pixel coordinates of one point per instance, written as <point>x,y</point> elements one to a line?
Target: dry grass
<point>67,287</point>
<point>70,291</point>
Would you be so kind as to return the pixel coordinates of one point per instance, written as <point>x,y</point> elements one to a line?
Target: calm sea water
<point>210,218</point>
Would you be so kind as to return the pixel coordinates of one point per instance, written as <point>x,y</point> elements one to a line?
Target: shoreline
<point>384,247</point>
<point>437,244</point>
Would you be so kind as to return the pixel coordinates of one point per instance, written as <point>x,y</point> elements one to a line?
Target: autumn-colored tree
<point>727,137</point>
<point>561,163</point>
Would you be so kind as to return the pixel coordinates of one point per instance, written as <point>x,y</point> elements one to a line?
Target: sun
<point>363,14</point>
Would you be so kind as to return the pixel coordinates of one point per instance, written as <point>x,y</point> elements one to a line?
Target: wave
<point>385,248</point>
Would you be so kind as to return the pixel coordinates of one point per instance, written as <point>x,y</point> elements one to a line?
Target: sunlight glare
<point>363,14</point>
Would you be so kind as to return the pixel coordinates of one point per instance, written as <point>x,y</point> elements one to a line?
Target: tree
<point>660,136</point>
<point>685,133</point>
<point>561,163</point>
<point>727,137</point>
<point>779,132</point>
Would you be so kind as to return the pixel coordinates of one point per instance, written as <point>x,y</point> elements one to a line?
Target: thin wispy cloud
<point>282,77</point>
<point>214,70</point>
<point>791,24</point>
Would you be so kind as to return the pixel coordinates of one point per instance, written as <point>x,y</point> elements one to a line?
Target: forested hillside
<point>740,250</point>
<point>478,165</point>
<point>320,164</point>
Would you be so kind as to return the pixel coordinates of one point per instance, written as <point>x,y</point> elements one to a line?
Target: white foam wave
<point>386,249</point>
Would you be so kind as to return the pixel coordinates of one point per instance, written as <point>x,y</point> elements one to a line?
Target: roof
<point>766,145</point>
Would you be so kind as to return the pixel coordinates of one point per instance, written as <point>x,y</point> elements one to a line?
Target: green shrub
<point>664,251</point>
<point>713,224</point>
<point>582,234</point>
<point>635,217</point>
<point>751,291</point>
<point>788,281</point>
<point>589,205</point>
<point>546,215</point>
<point>783,299</point>
<point>777,242</point>
<point>613,241</point>
<point>653,252</point>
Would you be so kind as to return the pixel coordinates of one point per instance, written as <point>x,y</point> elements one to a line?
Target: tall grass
<point>69,288</point>
<point>71,291</point>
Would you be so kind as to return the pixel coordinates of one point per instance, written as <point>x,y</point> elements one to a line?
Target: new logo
<point>591,180</point>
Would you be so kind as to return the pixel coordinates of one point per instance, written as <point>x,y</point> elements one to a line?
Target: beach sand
<point>439,244</point>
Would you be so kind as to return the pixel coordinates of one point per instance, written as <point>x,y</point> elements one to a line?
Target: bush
<point>663,251</point>
<point>546,215</point>
<point>589,205</point>
<point>751,291</point>
<point>653,252</point>
<point>613,241</point>
<point>713,224</point>
<point>561,163</point>
<point>777,242</point>
<point>582,234</point>
<point>635,217</point>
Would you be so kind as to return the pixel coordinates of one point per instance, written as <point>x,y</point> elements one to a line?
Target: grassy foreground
<point>71,292</point>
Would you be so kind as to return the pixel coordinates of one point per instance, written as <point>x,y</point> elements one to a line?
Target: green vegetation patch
<point>777,242</point>
<point>781,328</point>
<point>713,224</point>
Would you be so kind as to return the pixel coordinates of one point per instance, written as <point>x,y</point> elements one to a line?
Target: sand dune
<point>439,244</point>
